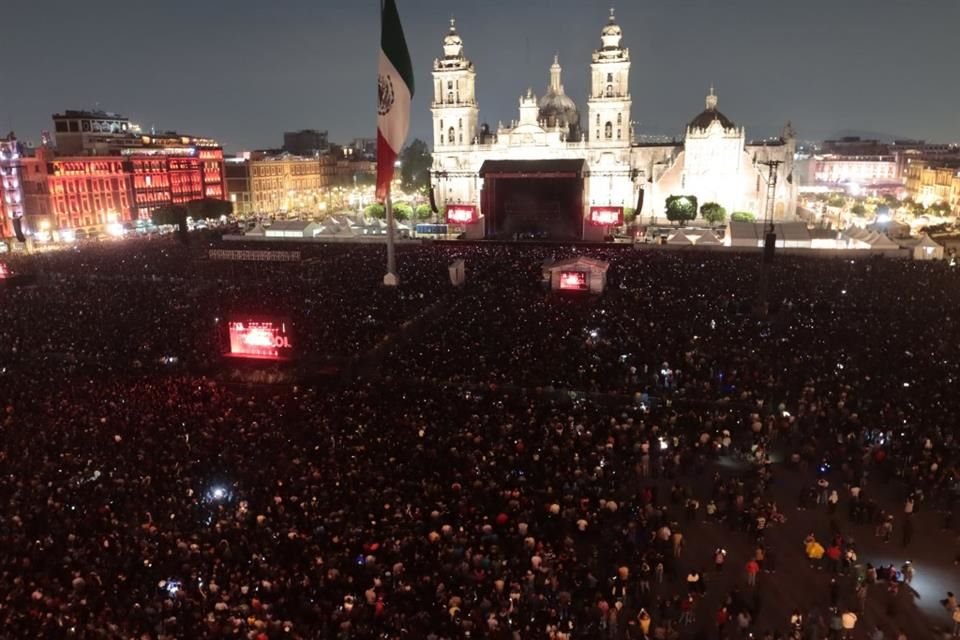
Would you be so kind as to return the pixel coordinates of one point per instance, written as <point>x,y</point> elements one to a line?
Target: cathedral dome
<point>710,115</point>
<point>556,108</point>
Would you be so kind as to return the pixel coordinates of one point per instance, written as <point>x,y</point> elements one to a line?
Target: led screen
<point>260,339</point>
<point>573,281</point>
<point>461,214</point>
<point>606,216</point>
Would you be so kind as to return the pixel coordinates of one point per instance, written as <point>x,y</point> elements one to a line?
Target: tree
<point>916,208</point>
<point>858,210</point>
<point>172,214</point>
<point>415,164</point>
<point>713,213</point>
<point>402,211</point>
<point>940,209</point>
<point>836,200</point>
<point>209,208</point>
<point>375,210</point>
<point>424,212</point>
<point>681,208</point>
<point>742,216</point>
<point>629,215</point>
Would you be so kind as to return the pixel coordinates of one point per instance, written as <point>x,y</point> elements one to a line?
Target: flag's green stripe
<point>394,45</point>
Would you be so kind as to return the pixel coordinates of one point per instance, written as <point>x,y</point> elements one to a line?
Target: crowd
<point>658,462</point>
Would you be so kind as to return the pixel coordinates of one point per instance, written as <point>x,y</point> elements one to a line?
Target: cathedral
<point>559,173</point>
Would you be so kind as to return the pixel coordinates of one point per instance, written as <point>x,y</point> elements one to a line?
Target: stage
<point>533,199</point>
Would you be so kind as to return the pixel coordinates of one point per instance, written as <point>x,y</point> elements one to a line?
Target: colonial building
<point>282,184</point>
<point>552,173</point>
<point>72,192</point>
<point>934,183</point>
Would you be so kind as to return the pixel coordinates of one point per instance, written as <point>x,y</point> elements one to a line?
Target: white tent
<point>680,238</point>
<point>924,248</point>
<point>709,239</point>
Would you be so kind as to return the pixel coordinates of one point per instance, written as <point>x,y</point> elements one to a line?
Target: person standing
<point>752,569</point>
<point>849,622</point>
<point>719,557</point>
<point>723,617</point>
<point>907,530</point>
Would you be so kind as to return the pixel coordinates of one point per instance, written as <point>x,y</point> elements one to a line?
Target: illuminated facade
<point>714,161</point>
<point>865,171</point>
<point>11,185</point>
<point>75,191</point>
<point>283,185</point>
<point>931,184</point>
<point>172,169</point>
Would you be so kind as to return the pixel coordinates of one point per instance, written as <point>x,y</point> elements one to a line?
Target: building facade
<point>11,186</point>
<point>72,192</point>
<point>850,171</point>
<point>306,142</point>
<point>931,184</point>
<point>549,166</point>
<point>280,185</point>
<point>173,169</point>
<point>79,132</point>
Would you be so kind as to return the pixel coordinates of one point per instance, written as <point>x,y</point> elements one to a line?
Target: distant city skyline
<point>245,72</point>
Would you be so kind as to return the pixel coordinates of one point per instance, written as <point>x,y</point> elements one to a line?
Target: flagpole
<point>390,279</point>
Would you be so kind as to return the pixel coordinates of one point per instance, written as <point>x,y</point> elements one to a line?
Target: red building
<point>11,187</point>
<point>75,192</point>
<point>173,169</point>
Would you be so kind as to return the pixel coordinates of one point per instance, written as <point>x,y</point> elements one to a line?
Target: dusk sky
<point>244,71</point>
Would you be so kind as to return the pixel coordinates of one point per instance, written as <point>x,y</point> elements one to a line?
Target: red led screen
<point>606,216</point>
<point>573,281</point>
<point>260,339</point>
<point>461,214</point>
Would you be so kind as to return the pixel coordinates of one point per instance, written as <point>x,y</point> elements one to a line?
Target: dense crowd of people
<point>657,462</point>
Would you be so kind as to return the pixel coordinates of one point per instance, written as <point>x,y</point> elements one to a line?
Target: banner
<point>249,255</point>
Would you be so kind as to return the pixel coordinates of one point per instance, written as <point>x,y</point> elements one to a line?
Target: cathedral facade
<point>557,172</point>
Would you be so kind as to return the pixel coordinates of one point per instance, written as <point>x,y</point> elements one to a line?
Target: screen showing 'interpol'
<point>260,339</point>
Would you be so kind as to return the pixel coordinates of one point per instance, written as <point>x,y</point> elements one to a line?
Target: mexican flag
<point>395,92</point>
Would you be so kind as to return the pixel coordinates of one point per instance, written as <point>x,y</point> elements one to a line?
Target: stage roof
<point>558,168</point>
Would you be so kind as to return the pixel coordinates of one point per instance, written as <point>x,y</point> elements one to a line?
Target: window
<point>618,134</point>
<point>608,131</point>
<point>450,97</point>
<point>619,118</point>
<point>598,134</point>
<point>610,78</point>
<point>609,90</point>
<point>598,119</point>
<point>450,85</point>
<point>460,124</point>
<point>452,135</point>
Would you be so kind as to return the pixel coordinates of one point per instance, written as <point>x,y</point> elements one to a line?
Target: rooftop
<point>95,113</point>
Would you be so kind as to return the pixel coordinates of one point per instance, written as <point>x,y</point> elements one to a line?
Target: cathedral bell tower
<point>608,120</point>
<point>455,111</point>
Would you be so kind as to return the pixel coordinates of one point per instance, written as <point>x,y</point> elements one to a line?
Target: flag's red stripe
<point>386,157</point>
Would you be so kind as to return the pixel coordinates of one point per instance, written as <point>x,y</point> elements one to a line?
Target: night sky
<point>243,71</point>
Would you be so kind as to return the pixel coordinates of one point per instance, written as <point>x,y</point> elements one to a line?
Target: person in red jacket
<point>753,568</point>
<point>723,617</point>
